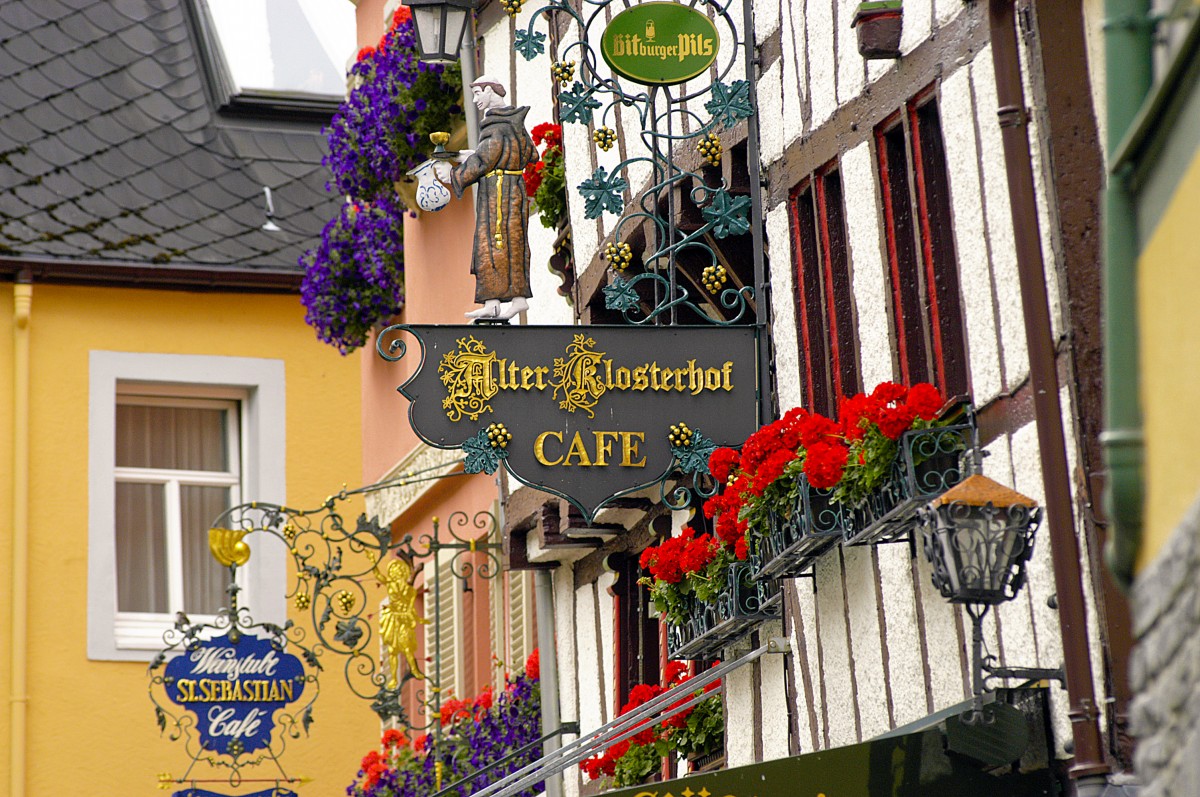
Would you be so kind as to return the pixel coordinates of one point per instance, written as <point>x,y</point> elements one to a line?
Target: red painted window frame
<point>924,170</point>
<point>824,299</point>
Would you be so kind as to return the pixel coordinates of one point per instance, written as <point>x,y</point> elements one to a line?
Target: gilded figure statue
<point>398,619</point>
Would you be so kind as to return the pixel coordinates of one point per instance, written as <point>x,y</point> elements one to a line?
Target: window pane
<point>204,579</point>
<point>286,45</point>
<point>141,548</point>
<point>907,288</point>
<point>176,438</point>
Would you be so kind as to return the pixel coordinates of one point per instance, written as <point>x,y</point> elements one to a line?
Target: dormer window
<point>276,57</point>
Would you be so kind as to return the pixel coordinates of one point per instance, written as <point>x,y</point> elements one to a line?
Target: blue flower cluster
<point>379,132</point>
<point>355,278</point>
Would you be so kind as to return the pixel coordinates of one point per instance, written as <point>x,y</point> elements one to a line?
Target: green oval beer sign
<point>659,43</point>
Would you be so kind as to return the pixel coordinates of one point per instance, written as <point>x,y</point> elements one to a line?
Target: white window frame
<point>258,385</point>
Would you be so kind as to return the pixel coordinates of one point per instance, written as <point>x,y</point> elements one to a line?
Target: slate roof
<point>110,150</point>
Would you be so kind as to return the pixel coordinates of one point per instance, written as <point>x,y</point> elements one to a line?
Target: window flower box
<point>791,543</point>
<point>711,626</point>
<point>931,461</point>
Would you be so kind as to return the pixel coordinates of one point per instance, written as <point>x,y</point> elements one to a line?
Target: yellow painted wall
<point>91,727</point>
<point>1168,291</point>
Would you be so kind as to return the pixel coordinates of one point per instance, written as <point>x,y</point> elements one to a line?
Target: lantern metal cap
<point>976,490</point>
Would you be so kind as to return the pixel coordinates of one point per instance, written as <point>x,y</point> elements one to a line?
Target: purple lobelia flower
<point>355,278</point>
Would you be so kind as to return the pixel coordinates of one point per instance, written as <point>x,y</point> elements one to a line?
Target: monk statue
<point>500,260</point>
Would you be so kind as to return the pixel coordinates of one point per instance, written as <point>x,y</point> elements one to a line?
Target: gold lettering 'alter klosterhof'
<point>473,375</point>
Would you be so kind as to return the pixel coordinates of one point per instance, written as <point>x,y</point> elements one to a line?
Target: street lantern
<point>439,25</point>
<point>978,536</point>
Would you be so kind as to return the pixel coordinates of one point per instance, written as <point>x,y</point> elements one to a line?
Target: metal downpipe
<point>1128,80</point>
<point>19,598</point>
<point>1090,761</point>
<point>543,594</point>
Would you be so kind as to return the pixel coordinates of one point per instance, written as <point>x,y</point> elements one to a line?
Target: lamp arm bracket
<point>779,644</point>
<point>1027,673</point>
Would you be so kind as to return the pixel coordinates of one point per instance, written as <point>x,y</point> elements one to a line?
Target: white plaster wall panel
<point>563,580</point>
<point>1086,558</point>
<point>591,702</point>
<point>822,85</point>
<point>1027,473</point>
<point>770,109</point>
<point>942,641</point>
<point>966,194</point>
<point>851,72</point>
<point>917,22</point>
<point>999,220</point>
<point>607,658</point>
<point>783,308</point>
<point>793,77</point>
<point>740,698</point>
<point>906,664</point>
<point>772,697</point>
<point>877,68</point>
<point>1094,15</point>
<point>945,10</point>
<point>638,173</point>
<point>862,609</point>
<point>609,161</point>
<point>1015,617</point>
<point>766,19</point>
<point>497,47</point>
<point>577,142</point>
<point>729,52</point>
<point>868,275</point>
<point>842,703</point>
<point>808,708</point>
<point>1043,190</point>
<point>547,306</point>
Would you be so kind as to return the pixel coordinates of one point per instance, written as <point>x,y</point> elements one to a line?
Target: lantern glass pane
<point>430,24</point>
<point>456,20</point>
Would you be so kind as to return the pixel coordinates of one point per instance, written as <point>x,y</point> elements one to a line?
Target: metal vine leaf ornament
<point>235,690</point>
<point>680,68</point>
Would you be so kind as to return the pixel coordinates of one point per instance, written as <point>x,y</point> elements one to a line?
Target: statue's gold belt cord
<point>499,174</point>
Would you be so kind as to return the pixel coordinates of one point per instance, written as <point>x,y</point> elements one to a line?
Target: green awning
<point>914,764</point>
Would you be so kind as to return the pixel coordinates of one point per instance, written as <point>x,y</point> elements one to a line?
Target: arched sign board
<point>660,43</point>
<point>234,686</point>
<point>587,411</point>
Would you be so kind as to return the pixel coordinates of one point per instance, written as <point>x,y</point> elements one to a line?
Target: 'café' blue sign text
<point>234,689</point>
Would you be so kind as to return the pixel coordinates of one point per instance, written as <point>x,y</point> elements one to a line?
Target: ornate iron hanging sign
<point>234,684</point>
<point>588,413</point>
<point>659,43</point>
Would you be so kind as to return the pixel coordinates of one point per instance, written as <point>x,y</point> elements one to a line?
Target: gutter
<point>1090,767</point>
<point>19,597</point>
<point>1129,36</point>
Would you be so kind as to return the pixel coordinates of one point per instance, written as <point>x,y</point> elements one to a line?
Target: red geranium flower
<point>721,463</point>
<point>925,400</point>
<point>533,666</point>
<point>825,464</point>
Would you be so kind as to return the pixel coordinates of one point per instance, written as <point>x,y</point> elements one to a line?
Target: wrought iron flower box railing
<point>791,544</point>
<point>710,627</point>
<point>931,461</point>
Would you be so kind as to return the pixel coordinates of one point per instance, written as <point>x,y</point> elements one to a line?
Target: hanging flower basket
<point>878,24</point>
